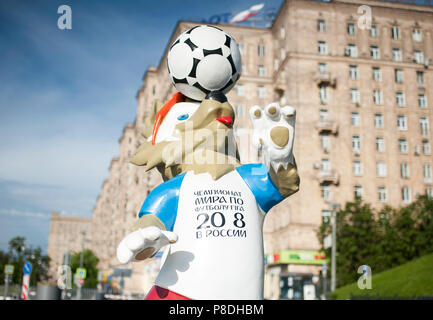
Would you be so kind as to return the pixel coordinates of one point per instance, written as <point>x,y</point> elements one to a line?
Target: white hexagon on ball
<point>204,59</point>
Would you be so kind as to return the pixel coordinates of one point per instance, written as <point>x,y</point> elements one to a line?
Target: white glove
<point>274,132</point>
<point>143,243</point>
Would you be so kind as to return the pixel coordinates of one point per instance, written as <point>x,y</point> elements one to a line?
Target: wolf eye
<point>183,117</point>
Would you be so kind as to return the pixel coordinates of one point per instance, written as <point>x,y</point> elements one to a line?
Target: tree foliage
<point>90,262</point>
<point>380,239</point>
<point>17,255</point>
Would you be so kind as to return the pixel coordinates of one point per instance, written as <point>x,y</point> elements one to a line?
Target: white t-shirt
<point>219,252</point>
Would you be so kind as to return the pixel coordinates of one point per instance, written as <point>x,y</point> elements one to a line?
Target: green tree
<point>90,262</point>
<point>17,255</point>
<point>357,240</point>
<point>381,240</point>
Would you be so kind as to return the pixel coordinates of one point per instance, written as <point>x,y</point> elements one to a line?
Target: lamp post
<point>81,262</point>
<point>335,207</point>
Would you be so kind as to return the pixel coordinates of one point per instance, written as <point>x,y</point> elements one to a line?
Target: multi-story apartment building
<point>67,235</point>
<point>364,107</point>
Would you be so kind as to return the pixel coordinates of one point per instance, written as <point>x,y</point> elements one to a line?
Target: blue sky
<point>65,96</point>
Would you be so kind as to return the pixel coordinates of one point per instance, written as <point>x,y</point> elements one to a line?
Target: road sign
<point>9,269</point>
<point>27,268</point>
<point>80,282</point>
<point>81,273</point>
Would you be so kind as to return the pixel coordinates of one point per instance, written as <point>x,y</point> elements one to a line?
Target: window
<point>374,52</point>
<point>325,190</point>
<point>399,99</point>
<point>356,144</point>
<point>382,194</point>
<point>354,95</point>
<point>378,120</point>
<point>323,115</point>
<point>405,194</point>
<point>422,101</point>
<point>323,47</point>
<point>261,71</point>
<point>403,146</point>
<point>398,74</point>
<point>395,33</point>
<point>325,142</point>
<point>326,215</point>
<point>276,64</point>
<point>353,72</point>
<point>240,90</point>
<point>355,119</point>
<point>380,144</point>
<point>351,50</point>
<point>240,110</point>
<point>426,147</point>
<point>374,31</point>
<point>323,94</point>
<point>323,68</point>
<point>424,126</point>
<point>357,168</point>
<point>351,29</point>
<point>381,169</point>
<point>420,78</point>
<point>418,56</point>
<point>321,25</point>
<point>427,172</point>
<point>358,192</point>
<point>377,75</point>
<point>396,54</point>
<point>261,92</point>
<point>417,35</point>
<point>261,50</point>
<point>325,165</point>
<point>377,97</point>
<point>429,192</point>
<point>404,170</point>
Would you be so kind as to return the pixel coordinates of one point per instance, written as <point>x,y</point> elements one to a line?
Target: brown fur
<point>202,132</point>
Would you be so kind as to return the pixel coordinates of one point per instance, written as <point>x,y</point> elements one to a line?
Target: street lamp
<point>83,233</point>
<point>335,206</point>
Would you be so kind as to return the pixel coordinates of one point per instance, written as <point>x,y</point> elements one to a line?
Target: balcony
<point>325,78</point>
<point>330,176</point>
<point>327,126</point>
<point>428,181</point>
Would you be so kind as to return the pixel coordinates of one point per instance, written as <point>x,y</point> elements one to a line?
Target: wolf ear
<point>150,119</point>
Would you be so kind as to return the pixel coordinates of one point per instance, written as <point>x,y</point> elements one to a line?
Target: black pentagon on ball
<point>216,51</point>
<point>194,68</point>
<point>197,85</point>
<point>228,40</point>
<point>189,31</point>
<point>175,43</point>
<point>227,85</point>
<point>230,59</point>
<point>190,44</point>
<point>176,80</point>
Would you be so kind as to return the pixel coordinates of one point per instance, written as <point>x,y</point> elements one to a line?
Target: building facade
<point>66,236</point>
<point>364,107</point>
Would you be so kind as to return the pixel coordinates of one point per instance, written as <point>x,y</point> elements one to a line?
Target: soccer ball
<point>204,59</point>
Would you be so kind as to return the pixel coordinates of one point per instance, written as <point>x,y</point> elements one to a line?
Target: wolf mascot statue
<point>209,211</point>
